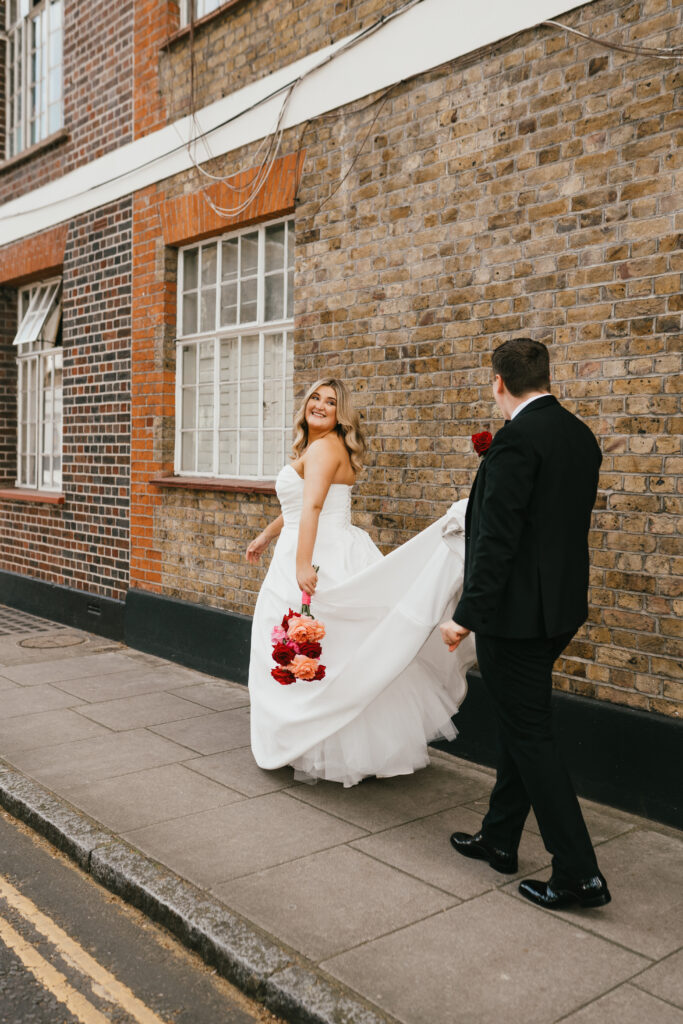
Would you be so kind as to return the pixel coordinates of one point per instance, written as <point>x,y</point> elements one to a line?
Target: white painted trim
<point>427,35</point>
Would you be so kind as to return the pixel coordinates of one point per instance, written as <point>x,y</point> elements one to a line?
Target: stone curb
<point>277,977</point>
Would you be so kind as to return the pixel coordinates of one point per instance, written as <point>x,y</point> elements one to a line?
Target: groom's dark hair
<point>523,365</point>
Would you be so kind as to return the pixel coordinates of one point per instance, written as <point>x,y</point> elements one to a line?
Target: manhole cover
<point>60,640</point>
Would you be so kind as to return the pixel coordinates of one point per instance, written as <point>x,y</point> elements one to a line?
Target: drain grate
<point>51,640</point>
<point>13,621</point>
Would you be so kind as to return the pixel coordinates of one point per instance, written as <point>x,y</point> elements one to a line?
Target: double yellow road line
<point>102,983</point>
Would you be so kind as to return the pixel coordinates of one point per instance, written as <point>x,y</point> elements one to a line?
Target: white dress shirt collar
<point>527,401</point>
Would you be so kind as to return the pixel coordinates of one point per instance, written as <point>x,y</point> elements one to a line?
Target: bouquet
<point>296,645</point>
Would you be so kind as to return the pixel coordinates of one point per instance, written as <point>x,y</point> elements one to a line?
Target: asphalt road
<point>71,953</point>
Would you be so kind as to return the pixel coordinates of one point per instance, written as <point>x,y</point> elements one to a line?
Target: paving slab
<point>492,958</point>
<point>144,798</point>
<point>6,684</point>
<point>331,901</point>
<point>237,769</point>
<point>644,872</point>
<point>216,695</point>
<point>378,804</point>
<point>422,849</point>
<point>143,710</point>
<point>45,729</point>
<point>28,700</point>
<point>102,758</point>
<point>137,679</point>
<point>224,843</point>
<point>665,979</point>
<point>627,1005</point>
<point>223,730</point>
<point>56,670</point>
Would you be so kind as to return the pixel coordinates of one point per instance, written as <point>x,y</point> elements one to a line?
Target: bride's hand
<point>307,578</point>
<point>256,548</point>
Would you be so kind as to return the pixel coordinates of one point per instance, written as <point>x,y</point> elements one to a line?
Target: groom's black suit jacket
<point>526,528</point>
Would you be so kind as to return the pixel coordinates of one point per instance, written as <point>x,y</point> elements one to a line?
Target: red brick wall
<point>159,218</point>
<point>155,21</point>
<point>33,258</point>
<point>84,542</point>
<point>98,97</point>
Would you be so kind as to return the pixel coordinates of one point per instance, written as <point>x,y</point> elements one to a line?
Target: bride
<point>390,685</point>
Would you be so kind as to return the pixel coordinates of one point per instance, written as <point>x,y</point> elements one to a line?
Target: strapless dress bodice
<point>335,513</point>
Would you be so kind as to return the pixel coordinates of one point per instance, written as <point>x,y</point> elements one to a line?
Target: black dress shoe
<point>478,849</point>
<point>555,895</point>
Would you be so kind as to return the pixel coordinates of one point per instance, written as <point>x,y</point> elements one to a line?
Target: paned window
<point>39,387</point>
<point>198,8</point>
<point>234,402</point>
<point>34,71</point>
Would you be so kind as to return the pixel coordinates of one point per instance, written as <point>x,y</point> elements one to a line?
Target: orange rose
<point>302,628</point>
<point>303,667</point>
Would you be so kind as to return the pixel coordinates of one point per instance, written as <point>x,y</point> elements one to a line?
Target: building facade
<point>241,197</point>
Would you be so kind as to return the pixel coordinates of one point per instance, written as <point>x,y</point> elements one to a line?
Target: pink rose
<point>278,634</point>
<point>303,667</point>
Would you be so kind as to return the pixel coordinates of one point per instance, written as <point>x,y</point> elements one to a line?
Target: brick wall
<point>187,544</point>
<point>254,38</point>
<point>529,190</point>
<point>97,331</point>
<point>84,542</point>
<point>535,192</point>
<point>98,96</point>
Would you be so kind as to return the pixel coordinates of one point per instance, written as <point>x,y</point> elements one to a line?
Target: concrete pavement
<point>330,904</point>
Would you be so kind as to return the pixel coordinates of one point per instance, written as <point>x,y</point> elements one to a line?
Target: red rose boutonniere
<point>482,442</point>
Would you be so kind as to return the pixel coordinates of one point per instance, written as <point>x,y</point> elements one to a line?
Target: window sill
<point>27,494</point>
<point>52,140</point>
<point>210,483</point>
<point>185,31</point>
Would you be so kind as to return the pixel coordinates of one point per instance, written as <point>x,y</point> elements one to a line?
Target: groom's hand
<point>452,634</point>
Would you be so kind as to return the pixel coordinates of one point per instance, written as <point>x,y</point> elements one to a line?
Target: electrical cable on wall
<point>271,142</point>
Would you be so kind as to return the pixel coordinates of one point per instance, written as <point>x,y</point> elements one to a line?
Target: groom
<point>524,596</point>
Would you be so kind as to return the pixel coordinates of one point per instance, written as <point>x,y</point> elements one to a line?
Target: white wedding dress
<point>391,685</point>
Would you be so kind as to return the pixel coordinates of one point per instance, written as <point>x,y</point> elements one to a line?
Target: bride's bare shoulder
<point>328,454</point>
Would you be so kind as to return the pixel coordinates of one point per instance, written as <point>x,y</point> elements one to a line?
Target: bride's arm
<point>260,543</point>
<point>320,466</point>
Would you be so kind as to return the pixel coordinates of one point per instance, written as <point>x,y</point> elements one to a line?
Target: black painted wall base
<point>76,608</point>
<point>203,638</point>
<point>617,755</point>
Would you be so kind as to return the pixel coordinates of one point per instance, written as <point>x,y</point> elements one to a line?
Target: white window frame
<point>34,73</point>
<point>39,406</point>
<point>201,9</point>
<point>259,329</point>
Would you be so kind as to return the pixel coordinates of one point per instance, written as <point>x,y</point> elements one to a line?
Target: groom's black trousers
<point>531,771</point>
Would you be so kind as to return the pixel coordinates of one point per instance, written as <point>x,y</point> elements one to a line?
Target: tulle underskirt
<point>388,738</point>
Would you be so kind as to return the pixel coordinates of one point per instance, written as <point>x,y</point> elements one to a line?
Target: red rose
<point>283,654</point>
<point>320,672</point>
<point>290,615</point>
<point>311,648</point>
<point>283,676</point>
<point>482,442</point>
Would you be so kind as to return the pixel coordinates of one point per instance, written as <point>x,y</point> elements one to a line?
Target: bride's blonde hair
<point>348,422</point>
